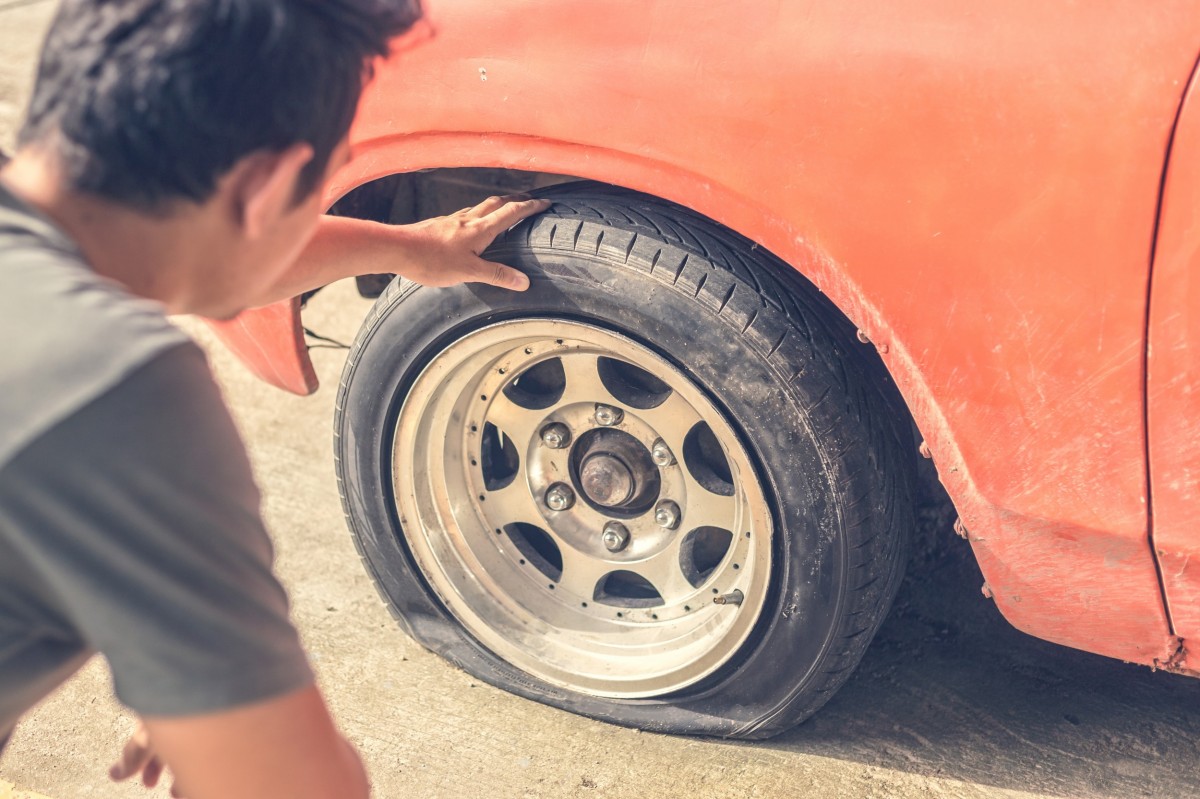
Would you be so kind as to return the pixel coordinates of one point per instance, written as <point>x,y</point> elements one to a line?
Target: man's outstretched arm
<point>442,251</point>
<point>283,748</point>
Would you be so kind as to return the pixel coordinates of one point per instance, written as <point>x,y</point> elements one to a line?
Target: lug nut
<point>666,514</point>
<point>556,436</point>
<point>615,536</point>
<point>661,454</point>
<point>607,415</point>
<point>559,497</point>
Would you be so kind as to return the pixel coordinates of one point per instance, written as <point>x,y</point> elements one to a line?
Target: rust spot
<point>1177,662</point>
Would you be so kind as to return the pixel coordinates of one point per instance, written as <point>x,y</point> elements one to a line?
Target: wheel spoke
<point>665,573</point>
<point>581,572</point>
<point>583,380</point>
<point>518,423</point>
<point>704,508</point>
<point>672,420</point>
<point>513,503</point>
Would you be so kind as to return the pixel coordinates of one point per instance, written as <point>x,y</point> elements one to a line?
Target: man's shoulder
<point>69,335</point>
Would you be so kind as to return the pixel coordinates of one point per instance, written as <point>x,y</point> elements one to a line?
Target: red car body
<point>1003,198</point>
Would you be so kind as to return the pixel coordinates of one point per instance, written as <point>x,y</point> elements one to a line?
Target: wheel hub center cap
<point>607,480</point>
<point>614,472</point>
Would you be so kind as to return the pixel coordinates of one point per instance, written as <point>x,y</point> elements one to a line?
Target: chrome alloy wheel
<point>582,508</point>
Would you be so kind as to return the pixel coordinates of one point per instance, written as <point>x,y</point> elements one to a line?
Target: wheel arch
<point>270,340</point>
<point>265,337</point>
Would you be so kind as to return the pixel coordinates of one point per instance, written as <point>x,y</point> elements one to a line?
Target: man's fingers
<point>134,757</point>
<point>493,203</point>
<point>509,214</point>
<point>152,772</point>
<point>502,276</point>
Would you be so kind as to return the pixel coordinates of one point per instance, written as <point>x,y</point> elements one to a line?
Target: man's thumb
<point>506,277</point>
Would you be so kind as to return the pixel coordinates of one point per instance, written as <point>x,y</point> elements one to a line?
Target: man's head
<point>191,136</point>
<point>149,102</point>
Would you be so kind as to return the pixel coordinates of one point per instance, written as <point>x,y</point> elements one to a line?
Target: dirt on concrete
<point>950,700</point>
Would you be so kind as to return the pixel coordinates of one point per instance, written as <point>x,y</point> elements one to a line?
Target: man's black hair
<point>150,101</point>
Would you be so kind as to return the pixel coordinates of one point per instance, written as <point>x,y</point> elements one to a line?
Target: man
<point>172,161</point>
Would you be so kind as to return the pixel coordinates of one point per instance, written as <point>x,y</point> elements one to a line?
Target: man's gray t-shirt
<point>129,519</point>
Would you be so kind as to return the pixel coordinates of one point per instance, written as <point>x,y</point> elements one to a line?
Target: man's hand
<point>281,748</point>
<point>138,757</point>
<point>438,252</point>
<point>445,250</point>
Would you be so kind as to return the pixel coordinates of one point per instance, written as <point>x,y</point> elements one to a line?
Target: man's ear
<point>264,187</point>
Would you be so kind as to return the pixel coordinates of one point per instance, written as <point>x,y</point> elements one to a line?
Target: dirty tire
<point>810,405</point>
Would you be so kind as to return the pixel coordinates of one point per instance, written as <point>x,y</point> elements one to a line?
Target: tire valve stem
<point>734,597</point>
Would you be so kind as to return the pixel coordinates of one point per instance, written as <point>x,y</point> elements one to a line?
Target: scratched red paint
<point>974,184</point>
<point>1174,378</point>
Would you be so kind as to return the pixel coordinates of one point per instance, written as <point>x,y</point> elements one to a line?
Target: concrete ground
<point>949,702</point>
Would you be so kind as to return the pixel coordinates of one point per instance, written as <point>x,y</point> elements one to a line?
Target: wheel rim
<point>582,508</point>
